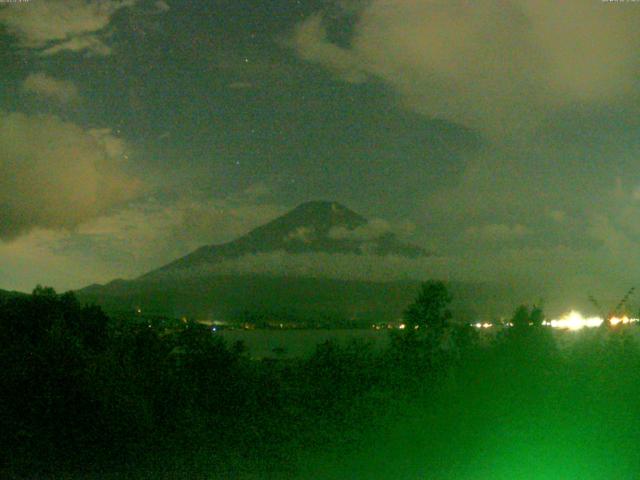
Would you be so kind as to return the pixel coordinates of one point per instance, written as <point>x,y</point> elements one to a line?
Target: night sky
<point>504,136</point>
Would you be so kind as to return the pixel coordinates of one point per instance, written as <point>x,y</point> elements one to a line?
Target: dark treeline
<point>87,396</point>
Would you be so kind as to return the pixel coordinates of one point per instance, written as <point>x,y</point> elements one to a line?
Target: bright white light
<point>483,325</point>
<point>575,321</point>
<point>622,320</point>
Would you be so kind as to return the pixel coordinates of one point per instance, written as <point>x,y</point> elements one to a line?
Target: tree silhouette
<point>524,318</point>
<point>536,317</point>
<point>430,309</point>
<point>520,319</point>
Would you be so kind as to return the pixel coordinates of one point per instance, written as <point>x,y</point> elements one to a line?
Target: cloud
<point>30,260</point>
<point>53,26</point>
<point>368,267</point>
<point>497,67</point>
<point>90,44</point>
<point>562,275</point>
<point>497,232</point>
<point>161,6</point>
<point>372,230</point>
<point>520,177</point>
<point>558,216</point>
<point>43,85</point>
<point>301,234</point>
<point>256,191</point>
<point>114,147</point>
<point>149,233</point>
<point>615,225</point>
<point>127,242</point>
<point>241,85</point>
<point>551,87</point>
<point>217,220</point>
<point>311,44</point>
<point>57,175</point>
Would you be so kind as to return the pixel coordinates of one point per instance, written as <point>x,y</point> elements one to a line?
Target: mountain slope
<point>195,285</point>
<point>312,227</point>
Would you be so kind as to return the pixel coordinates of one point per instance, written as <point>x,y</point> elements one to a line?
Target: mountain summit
<point>311,227</point>
<point>204,283</point>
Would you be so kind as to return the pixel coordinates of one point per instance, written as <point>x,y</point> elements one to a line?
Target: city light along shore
<point>573,321</point>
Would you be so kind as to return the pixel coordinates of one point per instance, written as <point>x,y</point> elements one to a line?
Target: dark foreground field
<point>84,396</point>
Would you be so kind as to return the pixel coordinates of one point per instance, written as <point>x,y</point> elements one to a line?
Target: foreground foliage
<point>86,396</point>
